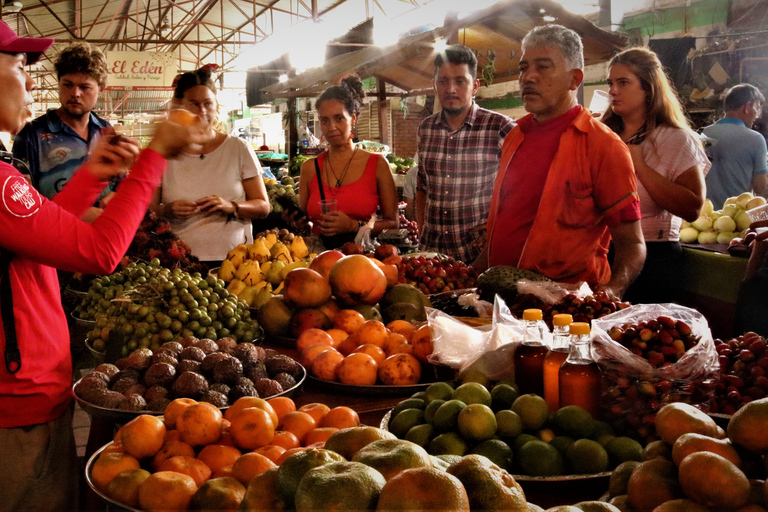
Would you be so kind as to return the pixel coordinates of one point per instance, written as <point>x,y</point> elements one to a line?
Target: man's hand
<point>629,245</point>
<point>112,155</point>
<point>171,139</point>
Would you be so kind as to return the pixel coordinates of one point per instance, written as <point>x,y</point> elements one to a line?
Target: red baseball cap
<point>32,46</point>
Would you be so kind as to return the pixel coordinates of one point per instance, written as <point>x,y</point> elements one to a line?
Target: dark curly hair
<point>190,79</point>
<point>82,58</point>
<point>349,93</point>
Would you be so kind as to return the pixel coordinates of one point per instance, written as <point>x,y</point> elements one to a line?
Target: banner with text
<point>139,70</point>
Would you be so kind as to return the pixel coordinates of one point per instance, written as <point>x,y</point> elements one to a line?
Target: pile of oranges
<point>195,454</point>
<point>364,352</point>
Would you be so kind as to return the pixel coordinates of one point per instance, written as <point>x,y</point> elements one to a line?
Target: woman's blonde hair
<point>663,105</point>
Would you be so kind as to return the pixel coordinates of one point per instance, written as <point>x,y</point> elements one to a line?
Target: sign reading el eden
<point>137,70</point>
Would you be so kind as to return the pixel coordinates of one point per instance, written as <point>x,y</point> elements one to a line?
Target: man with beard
<point>566,186</point>
<point>55,145</point>
<point>458,154</point>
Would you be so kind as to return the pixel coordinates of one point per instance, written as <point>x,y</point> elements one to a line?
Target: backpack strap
<point>12,354</point>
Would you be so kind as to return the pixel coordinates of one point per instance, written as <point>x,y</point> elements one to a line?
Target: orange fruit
<point>124,488</point>
<point>282,405</point>
<point>358,369</point>
<point>165,491</point>
<point>250,401</point>
<point>299,423</point>
<point>171,435</point>
<point>403,348</point>
<point>288,453</point>
<point>250,465</point>
<point>271,451</point>
<point>324,367</point>
<point>113,447</point>
<point>316,410</point>
<point>174,409</point>
<point>341,417</point>
<point>401,327</point>
<point>349,344</point>
<point>285,439</point>
<point>393,340</point>
<point>311,337</point>
<point>375,352</point>
<point>400,370</point>
<point>191,466</point>
<point>423,488</point>
<point>373,332</point>
<point>338,336</point>
<point>422,343</point>
<point>348,320</point>
<point>200,424</point>
<point>319,435</point>
<point>220,494</point>
<point>109,465</point>
<point>172,449</point>
<point>217,456</point>
<point>252,428</point>
<point>309,355</point>
<point>222,472</point>
<point>143,436</point>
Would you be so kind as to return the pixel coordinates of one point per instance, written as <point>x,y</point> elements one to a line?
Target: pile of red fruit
<point>413,230</point>
<point>743,368</point>
<point>436,275</point>
<point>661,341</point>
<point>582,309</point>
<point>154,239</point>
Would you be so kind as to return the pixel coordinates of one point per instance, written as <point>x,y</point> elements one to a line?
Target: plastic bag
<point>363,236</point>
<point>633,390</point>
<point>552,292</point>
<point>483,308</point>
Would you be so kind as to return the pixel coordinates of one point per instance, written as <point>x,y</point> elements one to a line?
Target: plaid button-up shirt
<point>457,170</point>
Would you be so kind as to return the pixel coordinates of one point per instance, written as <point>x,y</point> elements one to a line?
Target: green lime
<point>561,443</point>
<point>601,428</point>
<point>508,423</point>
<point>475,375</point>
<point>604,439</point>
<point>420,434</point>
<point>420,395</point>
<point>537,458</point>
<point>586,456</point>
<point>472,393</point>
<point>522,440</point>
<point>439,391</point>
<point>533,411</point>
<point>408,403</point>
<point>477,422</point>
<point>623,449</point>
<point>573,421</point>
<point>405,420</point>
<point>429,412</point>
<point>503,396</point>
<point>656,449</point>
<point>448,443</point>
<point>496,451</point>
<point>446,417</point>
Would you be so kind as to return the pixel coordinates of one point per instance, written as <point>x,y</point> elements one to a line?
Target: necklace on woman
<point>339,179</point>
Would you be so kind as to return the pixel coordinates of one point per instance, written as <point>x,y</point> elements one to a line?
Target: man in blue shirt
<point>738,153</point>
<point>55,145</point>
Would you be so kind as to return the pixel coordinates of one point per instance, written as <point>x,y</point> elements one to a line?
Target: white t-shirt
<point>670,152</point>
<point>220,173</point>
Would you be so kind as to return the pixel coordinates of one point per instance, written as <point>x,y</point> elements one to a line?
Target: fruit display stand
<point>709,282</point>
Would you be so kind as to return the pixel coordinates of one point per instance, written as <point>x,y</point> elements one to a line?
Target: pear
<point>235,287</point>
<point>273,275</point>
<point>227,270</point>
<point>298,248</point>
<point>258,251</point>
<point>237,255</point>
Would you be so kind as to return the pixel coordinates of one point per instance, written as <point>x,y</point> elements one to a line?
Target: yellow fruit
<point>747,426</point>
<point>124,488</point>
<point>533,411</point>
<point>687,444</point>
<point>339,486</point>
<point>713,481</point>
<point>424,488</point>
<point>676,419</point>
<point>392,456</point>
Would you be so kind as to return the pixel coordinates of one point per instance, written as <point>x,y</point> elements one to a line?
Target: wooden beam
<point>383,111</point>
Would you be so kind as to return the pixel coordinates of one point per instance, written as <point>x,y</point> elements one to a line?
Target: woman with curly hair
<point>669,161</point>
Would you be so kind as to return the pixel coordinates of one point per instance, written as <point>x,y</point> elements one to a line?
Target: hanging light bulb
<point>12,6</point>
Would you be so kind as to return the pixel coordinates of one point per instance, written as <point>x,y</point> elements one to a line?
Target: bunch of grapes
<point>154,239</point>
<point>413,230</point>
<point>436,275</point>
<point>148,305</point>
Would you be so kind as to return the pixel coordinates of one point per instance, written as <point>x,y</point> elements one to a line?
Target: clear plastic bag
<point>363,236</point>
<point>633,390</point>
<point>552,292</point>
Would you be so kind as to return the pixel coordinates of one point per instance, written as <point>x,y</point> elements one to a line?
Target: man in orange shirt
<point>566,185</point>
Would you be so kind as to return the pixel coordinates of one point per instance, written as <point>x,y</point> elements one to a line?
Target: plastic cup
<point>601,100</point>
<point>328,206</point>
<point>759,213</point>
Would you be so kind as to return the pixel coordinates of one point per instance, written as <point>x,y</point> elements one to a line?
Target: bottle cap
<point>562,320</point>
<point>532,314</point>
<point>579,328</point>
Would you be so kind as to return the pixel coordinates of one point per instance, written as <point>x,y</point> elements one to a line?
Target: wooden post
<point>293,129</point>
<point>383,112</point>
<point>452,18</point>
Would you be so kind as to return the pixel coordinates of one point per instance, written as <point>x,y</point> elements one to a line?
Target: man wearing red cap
<point>38,468</point>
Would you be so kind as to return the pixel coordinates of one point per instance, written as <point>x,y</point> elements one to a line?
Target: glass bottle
<point>579,375</point>
<point>558,353</point>
<point>529,356</point>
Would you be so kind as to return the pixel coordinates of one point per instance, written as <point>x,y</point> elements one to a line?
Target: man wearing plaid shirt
<point>459,152</point>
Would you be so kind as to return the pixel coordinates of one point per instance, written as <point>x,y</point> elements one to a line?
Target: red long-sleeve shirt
<point>45,236</point>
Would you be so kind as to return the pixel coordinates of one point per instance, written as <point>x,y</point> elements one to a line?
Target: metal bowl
<point>88,470</point>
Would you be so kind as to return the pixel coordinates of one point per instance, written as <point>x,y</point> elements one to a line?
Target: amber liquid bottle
<point>529,356</point>
<point>579,375</point>
<point>561,338</point>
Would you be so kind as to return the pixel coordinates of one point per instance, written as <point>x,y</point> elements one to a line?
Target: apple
<point>324,261</point>
<point>703,223</point>
<point>689,235</point>
<point>707,237</point>
<point>743,199</point>
<point>725,224</point>
<point>742,220</point>
<point>755,202</point>
<point>731,210</point>
<point>726,237</point>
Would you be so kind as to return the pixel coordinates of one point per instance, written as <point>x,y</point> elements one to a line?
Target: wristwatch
<point>236,212</point>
